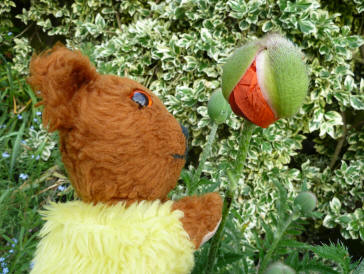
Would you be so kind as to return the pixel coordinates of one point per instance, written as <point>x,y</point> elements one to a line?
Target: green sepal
<point>236,66</point>
<point>285,76</point>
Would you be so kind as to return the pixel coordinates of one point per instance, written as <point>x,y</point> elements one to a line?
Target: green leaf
<point>335,205</point>
<point>361,233</point>
<point>293,244</point>
<point>269,235</point>
<point>16,145</point>
<point>108,10</point>
<point>360,267</point>
<point>357,102</point>
<point>336,253</point>
<point>191,63</point>
<point>267,26</point>
<point>100,21</point>
<point>243,25</point>
<point>186,178</point>
<point>238,8</point>
<point>319,268</point>
<point>307,27</point>
<point>266,147</point>
<point>355,41</point>
<point>229,258</point>
<point>45,24</point>
<point>349,83</point>
<point>91,28</point>
<point>324,49</point>
<point>333,118</point>
<point>206,35</point>
<point>329,221</point>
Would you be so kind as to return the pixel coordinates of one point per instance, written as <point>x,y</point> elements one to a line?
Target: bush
<point>177,48</point>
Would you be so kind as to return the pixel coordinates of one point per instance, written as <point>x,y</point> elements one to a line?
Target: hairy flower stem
<point>205,153</point>
<point>277,239</point>
<point>246,133</point>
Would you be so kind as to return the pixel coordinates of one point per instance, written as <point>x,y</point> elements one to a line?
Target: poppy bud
<point>279,268</point>
<point>307,201</point>
<point>217,108</point>
<point>265,80</point>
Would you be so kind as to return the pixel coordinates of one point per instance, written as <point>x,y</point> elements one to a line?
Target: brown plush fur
<point>113,149</point>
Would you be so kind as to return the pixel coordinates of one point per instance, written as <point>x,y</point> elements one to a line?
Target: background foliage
<point>176,48</point>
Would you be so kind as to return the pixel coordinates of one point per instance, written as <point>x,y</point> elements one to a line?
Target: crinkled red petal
<point>234,106</point>
<point>248,101</point>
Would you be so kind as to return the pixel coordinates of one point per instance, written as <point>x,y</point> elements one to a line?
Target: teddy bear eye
<point>141,98</point>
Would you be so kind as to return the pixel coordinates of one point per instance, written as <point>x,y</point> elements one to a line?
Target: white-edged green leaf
<point>329,221</point>
<point>267,26</point>
<point>357,102</point>
<point>206,35</point>
<point>307,26</point>
<point>349,83</point>
<point>100,21</point>
<point>333,118</point>
<point>335,205</point>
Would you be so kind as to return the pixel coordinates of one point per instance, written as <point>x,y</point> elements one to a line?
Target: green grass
<point>27,178</point>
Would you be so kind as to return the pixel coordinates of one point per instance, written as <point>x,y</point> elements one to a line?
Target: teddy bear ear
<point>56,75</point>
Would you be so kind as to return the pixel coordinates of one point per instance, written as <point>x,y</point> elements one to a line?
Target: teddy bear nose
<point>184,131</point>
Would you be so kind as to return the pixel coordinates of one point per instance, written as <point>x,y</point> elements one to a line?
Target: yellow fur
<point>146,237</point>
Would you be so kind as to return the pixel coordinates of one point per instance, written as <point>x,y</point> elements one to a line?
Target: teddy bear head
<point>117,139</point>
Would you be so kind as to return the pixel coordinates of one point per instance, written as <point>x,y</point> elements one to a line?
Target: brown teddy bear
<point>123,152</point>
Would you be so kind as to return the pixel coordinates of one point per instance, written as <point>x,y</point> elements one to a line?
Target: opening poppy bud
<point>217,108</point>
<point>279,268</point>
<point>307,201</point>
<point>265,80</point>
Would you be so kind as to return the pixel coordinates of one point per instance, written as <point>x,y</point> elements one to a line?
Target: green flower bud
<point>217,108</point>
<point>279,268</point>
<point>307,201</point>
<point>265,80</point>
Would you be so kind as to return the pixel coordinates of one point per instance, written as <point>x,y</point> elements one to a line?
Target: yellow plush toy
<point>146,237</point>
<point>123,152</point>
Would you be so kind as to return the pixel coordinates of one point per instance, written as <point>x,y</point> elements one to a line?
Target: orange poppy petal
<point>248,99</point>
<point>235,108</point>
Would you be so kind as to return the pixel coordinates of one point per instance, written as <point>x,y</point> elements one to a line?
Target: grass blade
<point>16,147</point>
